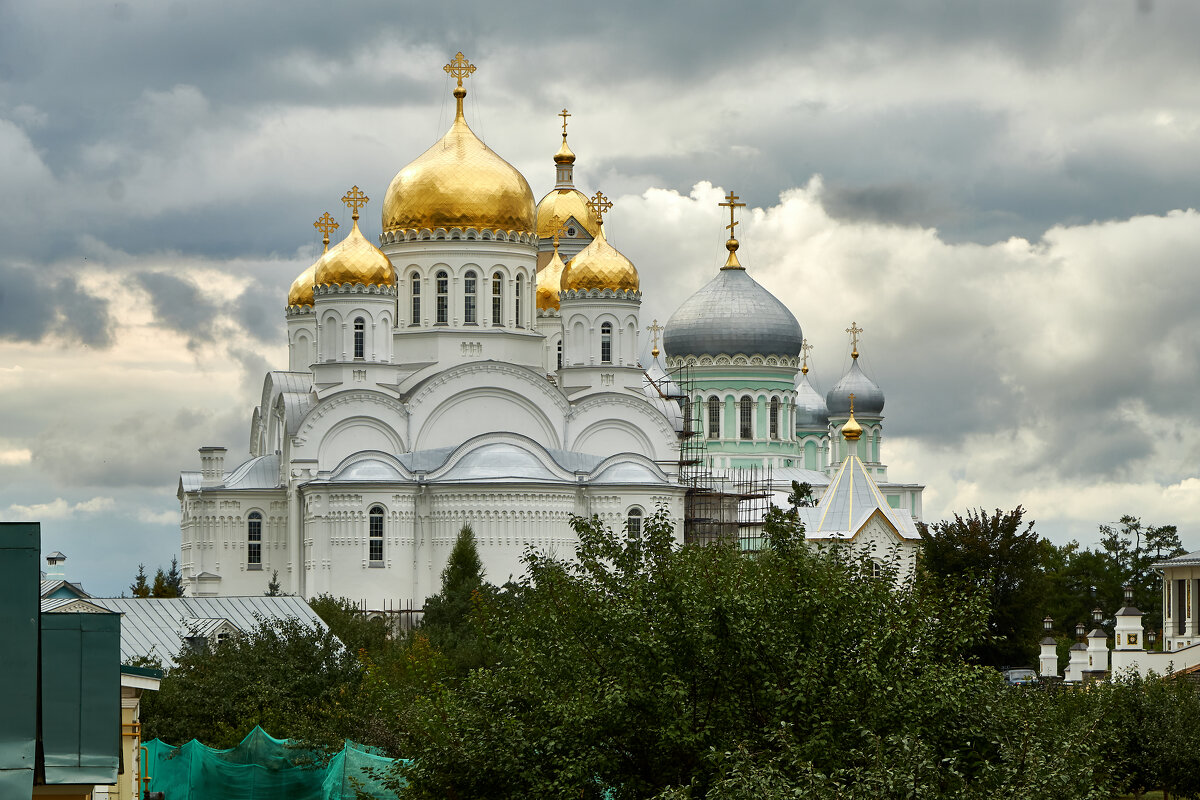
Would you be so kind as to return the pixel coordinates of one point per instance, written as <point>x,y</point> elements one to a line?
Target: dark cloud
<point>179,305</point>
<point>34,305</point>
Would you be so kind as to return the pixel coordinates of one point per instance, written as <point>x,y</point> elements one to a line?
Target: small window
<point>517,302</point>
<point>774,417</point>
<point>443,298</point>
<point>606,343</point>
<point>745,417</point>
<point>497,299</point>
<point>254,540</point>
<point>469,299</point>
<point>375,535</point>
<point>560,353</point>
<point>714,417</point>
<point>634,521</point>
<point>685,405</point>
<point>876,569</point>
<point>360,338</point>
<point>416,299</point>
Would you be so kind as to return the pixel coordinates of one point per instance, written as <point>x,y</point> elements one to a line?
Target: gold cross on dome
<point>731,202</point>
<point>852,404</point>
<point>564,115</point>
<point>459,68</point>
<point>599,204</point>
<point>560,230</point>
<point>326,225</point>
<point>805,347</point>
<point>654,331</point>
<point>354,200</point>
<point>854,331</point>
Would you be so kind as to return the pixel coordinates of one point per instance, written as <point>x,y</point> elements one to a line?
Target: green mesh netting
<point>264,768</point>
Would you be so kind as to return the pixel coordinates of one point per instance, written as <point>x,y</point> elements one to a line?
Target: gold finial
<point>731,202</point>
<point>326,225</point>
<point>854,331</point>
<point>560,230</point>
<point>564,115</point>
<point>599,204</point>
<point>354,200</point>
<point>459,68</point>
<point>851,431</point>
<point>654,331</point>
<point>805,347</point>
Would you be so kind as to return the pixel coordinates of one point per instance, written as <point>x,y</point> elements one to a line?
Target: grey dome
<point>732,314</point>
<point>868,398</point>
<point>811,411</point>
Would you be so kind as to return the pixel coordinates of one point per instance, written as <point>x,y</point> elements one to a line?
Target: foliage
<point>167,583</point>
<point>1155,739</point>
<point>140,587</point>
<point>1002,556</point>
<point>273,587</point>
<point>454,616</point>
<point>642,669</point>
<point>284,675</point>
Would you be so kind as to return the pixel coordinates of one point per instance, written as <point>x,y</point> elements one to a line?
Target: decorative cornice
<point>299,311</point>
<point>735,360</point>
<point>536,379</point>
<point>328,289</point>
<point>451,234</point>
<point>590,294</point>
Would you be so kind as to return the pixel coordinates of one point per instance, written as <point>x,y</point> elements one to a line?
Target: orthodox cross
<point>854,331</point>
<point>805,347</point>
<point>560,230</point>
<point>654,331</point>
<point>326,225</point>
<point>459,68</point>
<point>564,115</point>
<point>354,200</point>
<point>599,204</point>
<point>852,406</point>
<point>731,202</point>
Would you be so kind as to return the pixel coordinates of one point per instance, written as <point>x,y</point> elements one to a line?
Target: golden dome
<point>851,431</point>
<point>301,293</point>
<point>354,260</point>
<point>564,154</point>
<point>600,266</point>
<point>459,183</point>
<point>549,283</point>
<point>564,204</point>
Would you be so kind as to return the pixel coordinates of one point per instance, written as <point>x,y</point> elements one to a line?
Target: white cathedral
<point>481,366</point>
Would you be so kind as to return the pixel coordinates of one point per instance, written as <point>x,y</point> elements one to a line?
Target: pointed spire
<point>731,202</point>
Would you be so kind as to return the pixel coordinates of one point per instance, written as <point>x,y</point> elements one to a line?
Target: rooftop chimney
<point>212,466</point>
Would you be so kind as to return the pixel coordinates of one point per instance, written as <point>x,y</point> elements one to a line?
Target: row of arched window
<point>476,292</point>
<point>745,418</point>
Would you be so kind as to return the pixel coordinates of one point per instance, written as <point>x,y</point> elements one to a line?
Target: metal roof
<point>850,501</point>
<point>868,397</point>
<point>156,626</point>
<point>732,314</point>
<point>1186,560</point>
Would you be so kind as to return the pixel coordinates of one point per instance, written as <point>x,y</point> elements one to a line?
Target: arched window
<point>443,298</point>
<point>714,417</point>
<point>774,417</point>
<point>375,536</point>
<point>360,338</point>
<point>517,302</point>
<point>560,353</point>
<point>685,405</point>
<point>416,299</point>
<point>633,522</point>
<point>468,299</point>
<point>497,298</point>
<point>254,540</point>
<point>606,343</point>
<point>745,417</point>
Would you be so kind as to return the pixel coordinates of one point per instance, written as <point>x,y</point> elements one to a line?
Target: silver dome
<point>811,412</point>
<point>868,398</point>
<point>732,314</point>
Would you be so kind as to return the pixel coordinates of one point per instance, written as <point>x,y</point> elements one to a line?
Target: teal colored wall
<point>20,545</point>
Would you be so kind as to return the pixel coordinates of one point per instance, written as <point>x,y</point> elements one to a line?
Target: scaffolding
<point>721,504</point>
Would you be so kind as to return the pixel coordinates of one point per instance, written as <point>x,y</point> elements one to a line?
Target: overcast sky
<point>1000,194</point>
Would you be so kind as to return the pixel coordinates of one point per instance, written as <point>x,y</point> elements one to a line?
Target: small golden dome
<point>549,283</point>
<point>564,204</point>
<point>459,183</point>
<point>564,154</point>
<point>354,260</point>
<point>301,293</point>
<point>851,431</point>
<point>600,266</point>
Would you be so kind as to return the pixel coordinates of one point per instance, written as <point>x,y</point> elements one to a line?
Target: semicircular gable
<point>502,457</point>
<point>371,465</point>
<point>627,468</point>
<point>630,424</point>
<point>352,435</point>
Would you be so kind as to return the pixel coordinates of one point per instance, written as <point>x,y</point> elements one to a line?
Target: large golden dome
<point>459,183</point>
<point>301,293</point>
<point>564,204</point>
<point>354,260</point>
<point>600,266</point>
<point>549,283</point>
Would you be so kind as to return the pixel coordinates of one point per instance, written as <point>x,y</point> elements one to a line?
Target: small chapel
<point>481,366</point>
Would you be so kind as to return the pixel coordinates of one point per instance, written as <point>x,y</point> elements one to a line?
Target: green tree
<point>162,585</point>
<point>641,669</point>
<point>454,617</point>
<point>273,587</point>
<point>140,587</point>
<point>1002,554</point>
<point>288,677</point>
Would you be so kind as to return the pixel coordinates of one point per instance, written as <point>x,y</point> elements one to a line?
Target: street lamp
<point>1047,624</point>
<point>1128,594</point>
<point>1097,615</point>
<point>1152,637</point>
<point>1080,630</point>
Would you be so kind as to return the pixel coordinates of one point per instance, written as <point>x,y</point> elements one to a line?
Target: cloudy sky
<point>1000,194</point>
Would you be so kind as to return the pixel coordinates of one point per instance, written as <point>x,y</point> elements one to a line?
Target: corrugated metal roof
<point>49,587</point>
<point>156,626</point>
<point>1185,560</point>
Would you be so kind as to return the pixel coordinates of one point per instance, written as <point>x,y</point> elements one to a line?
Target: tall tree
<point>1001,554</point>
<point>452,616</point>
<point>140,586</point>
